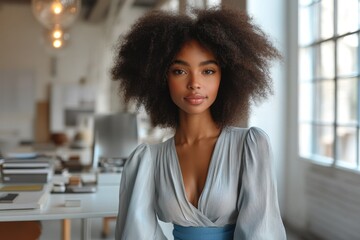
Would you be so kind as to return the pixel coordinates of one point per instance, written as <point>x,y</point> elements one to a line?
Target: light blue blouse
<point>239,189</point>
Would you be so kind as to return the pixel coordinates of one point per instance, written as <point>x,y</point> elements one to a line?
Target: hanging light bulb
<point>56,12</point>
<point>57,43</point>
<point>56,7</point>
<point>57,33</point>
<point>56,37</point>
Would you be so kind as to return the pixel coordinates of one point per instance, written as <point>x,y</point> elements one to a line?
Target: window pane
<point>325,64</point>
<point>305,2</point>
<point>347,100</point>
<point>306,101</point>
<point>347,55</point>
<point>211,3</point>
<point>308,31</point>
<point>194,4</point>
<point>306,57</point>
<point>347,20</point>
<point>327,19</point>
<point>324,102</point>
<point>324,141</point>
<point>346,146</point>
<point>305,140</point>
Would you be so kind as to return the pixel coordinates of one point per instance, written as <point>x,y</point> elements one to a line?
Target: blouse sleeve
<point>137,217</point>
<point>259,215</point>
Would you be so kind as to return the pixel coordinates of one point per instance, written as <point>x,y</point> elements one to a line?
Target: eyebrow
<point>201,64</point>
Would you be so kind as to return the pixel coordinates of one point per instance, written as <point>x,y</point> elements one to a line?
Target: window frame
<point>315,44</point>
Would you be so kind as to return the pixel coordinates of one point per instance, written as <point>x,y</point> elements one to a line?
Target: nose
<point>194,82</point>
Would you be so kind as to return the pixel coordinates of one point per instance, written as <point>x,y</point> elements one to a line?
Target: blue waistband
<point>203,233</point>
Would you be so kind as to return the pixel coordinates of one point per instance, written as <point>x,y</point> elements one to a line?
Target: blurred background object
<point>59,139</point>
<point>115,137</point>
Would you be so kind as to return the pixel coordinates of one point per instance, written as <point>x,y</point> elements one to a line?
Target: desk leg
<point>66,229</point>
<point>86,228</point>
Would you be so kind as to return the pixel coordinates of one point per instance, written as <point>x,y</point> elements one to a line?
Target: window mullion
<point>335,124</point>
<point>358,105</point>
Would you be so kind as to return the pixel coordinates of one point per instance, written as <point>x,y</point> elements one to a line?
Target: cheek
<point>174,87</point>
<point>214,88</point>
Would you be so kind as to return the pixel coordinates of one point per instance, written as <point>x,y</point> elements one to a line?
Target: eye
<point>208,71</point>
<point>178,72</point>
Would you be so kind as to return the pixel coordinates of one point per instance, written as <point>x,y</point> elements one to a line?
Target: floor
<point>52,230</point>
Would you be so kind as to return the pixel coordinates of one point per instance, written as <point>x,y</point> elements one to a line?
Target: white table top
<point>102,203</point>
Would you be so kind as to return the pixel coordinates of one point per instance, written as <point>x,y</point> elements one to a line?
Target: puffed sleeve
<point>136,217</point>
<point>259,215</point>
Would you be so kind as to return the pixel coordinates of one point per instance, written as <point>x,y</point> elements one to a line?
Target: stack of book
<point>27,170</point>
<point>26,196</point>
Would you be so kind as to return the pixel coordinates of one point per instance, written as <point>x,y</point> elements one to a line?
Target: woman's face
<point>194,78</point>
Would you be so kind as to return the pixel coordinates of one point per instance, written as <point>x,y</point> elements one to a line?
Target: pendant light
<point>56,16</point>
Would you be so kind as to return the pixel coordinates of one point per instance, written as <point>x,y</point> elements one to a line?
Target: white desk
<point>102,203</point>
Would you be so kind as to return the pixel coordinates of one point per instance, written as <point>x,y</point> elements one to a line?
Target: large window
<point>329,74</point>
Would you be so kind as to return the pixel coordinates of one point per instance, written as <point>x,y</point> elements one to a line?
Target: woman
<point>198,74</point>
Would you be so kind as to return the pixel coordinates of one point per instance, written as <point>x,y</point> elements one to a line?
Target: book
<point>25,164</point>
<point>28,199</point>
<point>20,188</point>
<point>27,178</point>
<point>26,171</point>
<point>39,170</point>
<point>23,155</point>
<point>8,197</point>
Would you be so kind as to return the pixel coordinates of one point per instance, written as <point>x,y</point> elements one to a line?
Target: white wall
<point>278,117</point>
<point>270,115</point>
<point>120,25</point>
<point>296,203</point>
<point>20,46</point>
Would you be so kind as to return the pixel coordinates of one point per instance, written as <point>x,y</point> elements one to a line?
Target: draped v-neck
<point>180,180</point>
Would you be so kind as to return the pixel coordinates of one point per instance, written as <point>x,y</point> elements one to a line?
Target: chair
<point>26,230</point>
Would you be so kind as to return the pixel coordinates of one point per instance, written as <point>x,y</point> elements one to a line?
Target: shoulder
<point>257,135</point>
<point>252,133</point>
<point>148,154</point>
<point>140,155</point>
<point>140,150</point>
<point>252,136</point>
<point>160,145</point>
<point>146,149</point>
<point>257,142</point>
<point>160,148</point>
<point>235,132</point>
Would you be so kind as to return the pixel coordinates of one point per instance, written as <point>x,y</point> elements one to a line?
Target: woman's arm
<point>137,217</point>
<point>259,215</point>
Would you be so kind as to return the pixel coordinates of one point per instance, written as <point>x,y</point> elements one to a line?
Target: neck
<point>196,127</point>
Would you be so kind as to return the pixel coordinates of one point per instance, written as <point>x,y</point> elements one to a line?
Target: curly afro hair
<point>241,48</point>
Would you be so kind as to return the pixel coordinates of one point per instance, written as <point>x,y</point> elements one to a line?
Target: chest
<point>188,191</point>
<point>194,162</point>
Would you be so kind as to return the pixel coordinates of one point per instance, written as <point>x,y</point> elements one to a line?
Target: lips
<point>195,99</point>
